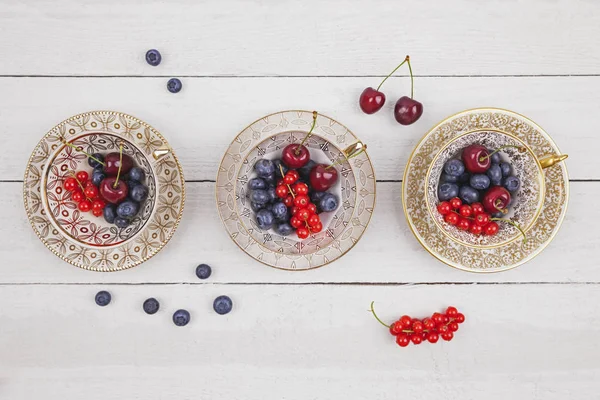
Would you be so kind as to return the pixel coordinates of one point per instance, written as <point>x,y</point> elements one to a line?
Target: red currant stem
<point>62,139</point>
<point>80,185</point>
<point>392,73</point>
<point>343,159</point>
<point>120,165</point>
<point>289,187</point>
<point>412,80</point>
<point>296,152</point>
<point>457,213</point>
<point>483,158</point>
<point>376,317</point>
<point>508,221</point>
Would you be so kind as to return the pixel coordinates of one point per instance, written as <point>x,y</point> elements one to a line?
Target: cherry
<point>113,190</point>
<point>476,158</point>
<point>115,160</point>
<point>296,155</point>
<point>82,176</point>
<point>491,229</point>
<point>444,208</point>
<point>85,205</point>
<point>322,177</point>
<point>70,184</point>
<point>497,198</point>
<point>371,100</point>
<point>407,110</point>
<point>455,203</point>
<point>451,218</point>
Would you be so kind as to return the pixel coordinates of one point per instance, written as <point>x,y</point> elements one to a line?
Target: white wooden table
<point>530,333</point>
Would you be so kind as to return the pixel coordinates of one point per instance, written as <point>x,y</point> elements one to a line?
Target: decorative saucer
<point>266,138</point>
<point>541,206</point>
<point>80,238</point>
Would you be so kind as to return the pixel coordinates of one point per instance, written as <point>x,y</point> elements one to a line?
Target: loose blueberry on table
<point>181,317</point>
<point>475,191</point>
<point>151,306</point>
<point>222,305</point>
<point>174,85</point>
<point>103,298</point>
<point>153,57</point>
<point>109,193</point>
<point>203,271</point>
<point>290,193</point>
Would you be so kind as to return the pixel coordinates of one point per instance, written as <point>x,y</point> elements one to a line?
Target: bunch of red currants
<point>294,193</point>
<point>85,193</point>
<point>472,218</point>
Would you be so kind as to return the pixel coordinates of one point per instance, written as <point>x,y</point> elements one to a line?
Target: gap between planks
<point>295,283</point>
<point>302,76</point>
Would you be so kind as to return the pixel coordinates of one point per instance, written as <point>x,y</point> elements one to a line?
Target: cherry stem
<point>376,317</point>
<point>297,151</point>
<point>508,221</point>
<point>120,165</point>
<point>412,80</point>
<point>483,158</point>
<point>392,73</point>
<point>344,158</point>
<point>498,207</point>
<point>289,187</point>
<point>81,151</point>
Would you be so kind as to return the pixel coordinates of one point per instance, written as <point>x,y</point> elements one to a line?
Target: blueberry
<point>454,167</point>
<point>280,211</point>
<point>329,202</point>
<point>278,163</point>
<point>446,191</point>
<point>181,317</point>
<point>265,219</point>
<point>259,196</point>
<point>506,169</point>
<point>464,178</point>
<point>110,213</point>
<point>512,183</point>
<point>94,162</point>
<point>304,172</point>
<point>257,183</point>
<point>468,195</point>
<point>445,178</point>
<point>284,229</point>
<point>128,208</point>
<point>121,222</point>
<point>97,177</point>
<point>272,193</point>
<point>138,193</point>
<point>495,158</point>
<point>316,197</point>
<point>480,182</point>
<point>137,174</point>
<point>153,57</point>
<point>103,298</point>
<point>174,85</point>
<point>222,305</point>
<point>495,174</point>
<point>270,179</point>
<point>203,271</point>
<point>151,306</point>
<point>256,207</point>
<point>264,168</point>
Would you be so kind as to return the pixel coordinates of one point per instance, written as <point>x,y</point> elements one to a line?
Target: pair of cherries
<point>406,111</point>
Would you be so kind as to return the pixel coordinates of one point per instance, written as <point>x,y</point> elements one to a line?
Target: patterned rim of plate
<point>503,257</point>
<point>156,232</point>
<point>263,129</point>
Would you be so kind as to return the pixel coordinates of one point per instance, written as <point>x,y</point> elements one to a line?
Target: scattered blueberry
<point>121,222</point>
<point>97,177</point>
<point>222,305</point>
<point>103,298</point>
<point>468,194</point>
<point>257,183</point>
<point>278,163</point>
<point>265,219</point>
<point>304,172</point>
<point>203,271</point>
<point>151,306</point>
<point>181,317</point>
<point>495,158</point>
<point>94,163</point>
<point>446,191</point>
<point>259,196</point>
<point>480,182</point>
<point>138,193</point>
<point>110,213</point>
<point>329,202</point>
<point>280,211</point>
<point>153,57</point>
<point>454,167</point>
<point>445,178</point>
<point>512,183</point>
<point>495,174</point>
<point>136,174</point>
<point>174,85</point>
<point>128,208</point>
<point>506,169</point>
<point>284,229</point>
<point>264,168</point>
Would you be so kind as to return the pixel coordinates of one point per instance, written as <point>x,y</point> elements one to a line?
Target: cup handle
<point>160,153</point>
<point>549,161</point>
<point>354,149</point>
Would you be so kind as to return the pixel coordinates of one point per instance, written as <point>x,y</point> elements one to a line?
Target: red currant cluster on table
<point>476,190</point>
<point>417,331</point>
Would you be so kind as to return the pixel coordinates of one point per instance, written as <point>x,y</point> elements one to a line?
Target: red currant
<point>460,318</point>
<point>463,224</point>
<point>82,176</point>
<point>482,219</point>
<point>453,326</point>
<point>491,229</point>
<point>311,208</point>
<point>302,233</point>
<point>70,184</point>
<point>445,318</point>
<point>432,337</point>
<point>302,201</point>
<point>444,208</point>
<point>455,203</point>
<point>302,214</point>
<point>437,318</point>
<point>405,321</point>
<point>416,339</point>
<point>294,210</point>
<point>447,336</point>
<point>428,324</point>
<point>98,205</point>
<point>97,213</point>
<point>85,205</point>
<point>91,192</point>
<point>291,177</point>
<point>77,196</point>
<point>301,188</point>
<point>317,228</point>
<point>288,201</point>
<point>282,191</point>
<point>417,327</point>
<point>475,229</point>
<point>313,220</point>
<point>296,222</point>
<point>451,312</point>
<point>477,208</point>
<point>280,182</point>
<point>396,328</point>
<point>402,340</point>
<point>451,218</point>
<point>465,210</point>
<point>443,328</point>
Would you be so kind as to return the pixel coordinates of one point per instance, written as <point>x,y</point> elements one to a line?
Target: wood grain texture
<point>388,252</point>
<point>201,121</point>
<point>342,37</point>
<point>297,342</point>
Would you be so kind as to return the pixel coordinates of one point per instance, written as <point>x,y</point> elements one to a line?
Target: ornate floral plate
<point>265,138</point>
<point>457,253</point>
<point>80,238</point>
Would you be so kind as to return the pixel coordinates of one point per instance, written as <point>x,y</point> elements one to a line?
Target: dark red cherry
<point>111,161</point>
<point>322,177</point>
<point>476,159</point>
<point>496,199</point>
<point>407,111</point>
<point>295,155</point>
<point>110,192</point>
<point>371,100</point>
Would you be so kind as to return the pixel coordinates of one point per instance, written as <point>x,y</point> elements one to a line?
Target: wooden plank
<point>387,253</point>
<point>202,120</point>
<point>344,37</point>
<point>300,342</point>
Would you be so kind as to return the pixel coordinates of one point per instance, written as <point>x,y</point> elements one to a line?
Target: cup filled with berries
<point>485,188</point>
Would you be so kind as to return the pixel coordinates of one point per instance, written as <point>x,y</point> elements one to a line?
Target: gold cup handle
<point>553,159</point>
<point>354,149</point>
<point>160,153</point>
